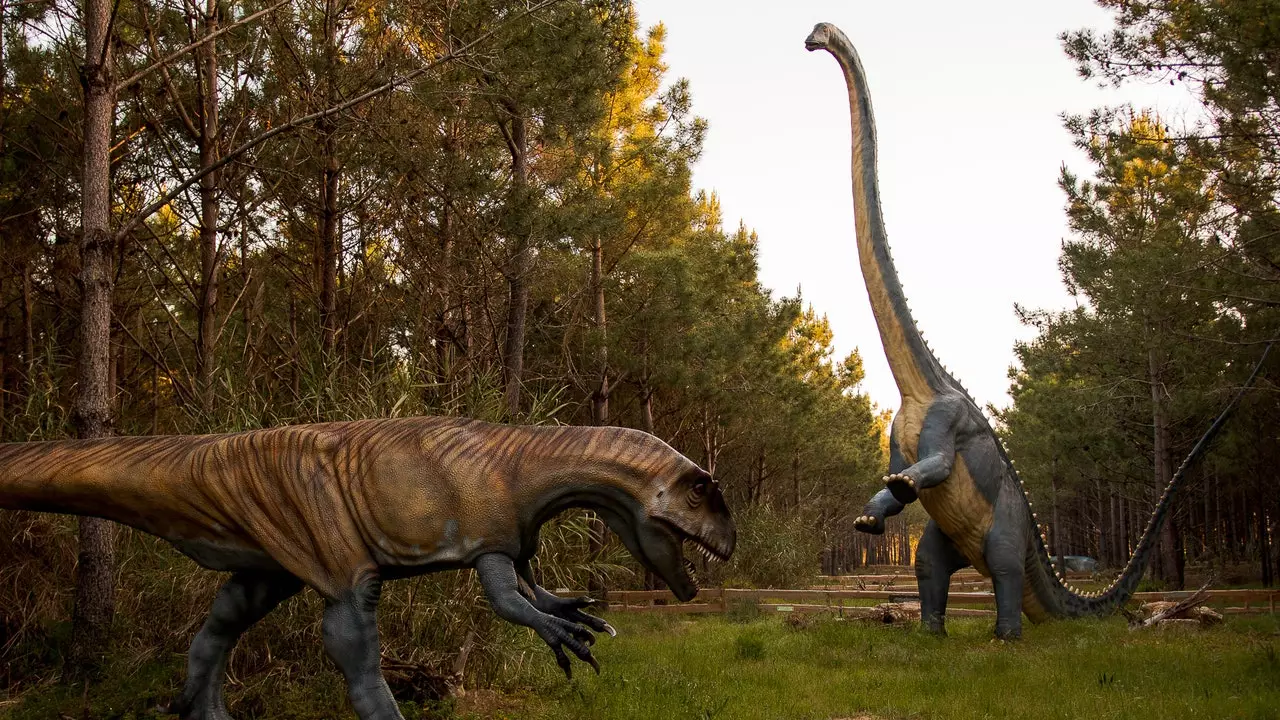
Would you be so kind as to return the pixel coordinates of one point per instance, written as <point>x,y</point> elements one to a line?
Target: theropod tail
<point>1067,602</point>
<point>101,478</point>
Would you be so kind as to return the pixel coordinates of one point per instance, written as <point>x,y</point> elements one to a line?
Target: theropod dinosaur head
<point>687,510</point>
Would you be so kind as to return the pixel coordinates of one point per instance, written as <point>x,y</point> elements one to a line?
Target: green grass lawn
<point>710,667</point>
<point>701,667</point>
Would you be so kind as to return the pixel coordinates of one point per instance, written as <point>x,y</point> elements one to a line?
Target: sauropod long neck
<point>914,367</point>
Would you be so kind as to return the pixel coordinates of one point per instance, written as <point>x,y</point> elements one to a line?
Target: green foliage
<point>776,549</point>
<point>1174,278</point>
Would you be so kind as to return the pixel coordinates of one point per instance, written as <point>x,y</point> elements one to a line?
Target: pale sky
<point>968,98</point>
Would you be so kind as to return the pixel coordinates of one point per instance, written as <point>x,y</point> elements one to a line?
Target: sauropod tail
<point>1075,604</point>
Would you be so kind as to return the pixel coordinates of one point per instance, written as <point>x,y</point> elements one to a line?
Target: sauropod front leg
<point>935,451</point>
<point>243,600</point>
<point>883,504</point>
<point>351,640</point>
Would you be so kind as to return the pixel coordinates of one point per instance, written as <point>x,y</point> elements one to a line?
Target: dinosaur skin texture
<point>943,452</point>
<point>342,506</point>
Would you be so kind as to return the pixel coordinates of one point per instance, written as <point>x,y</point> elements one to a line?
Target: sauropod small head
<point>821,37</point>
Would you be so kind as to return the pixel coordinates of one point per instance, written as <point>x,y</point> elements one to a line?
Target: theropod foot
<point>571,609</point>
<point>870,524</point>
<point>902,487</point>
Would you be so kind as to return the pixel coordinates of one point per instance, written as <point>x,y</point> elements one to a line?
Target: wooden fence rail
<point>962,578</point>
<point>714,600</point>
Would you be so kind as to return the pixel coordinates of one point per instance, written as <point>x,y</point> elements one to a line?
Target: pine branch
<point>394,82</point>
<point>164,62</point>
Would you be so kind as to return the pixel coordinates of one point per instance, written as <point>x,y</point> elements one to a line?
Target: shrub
<point>776,549</point>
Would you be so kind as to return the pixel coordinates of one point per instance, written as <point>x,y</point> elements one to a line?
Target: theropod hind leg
<point>350,631</point>
<point>937,559</point>
<point>242,601</point>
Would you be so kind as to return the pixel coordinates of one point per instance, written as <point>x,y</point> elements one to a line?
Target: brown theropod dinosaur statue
<point>342,506</point>
<point>943,452</point>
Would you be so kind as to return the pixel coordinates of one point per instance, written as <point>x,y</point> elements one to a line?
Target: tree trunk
<point>646,390</point>
<point>329,174</point>
<point>710,440</point>
<point>520,264</point>
<point>1170,562</point>
<point>210,260</point>
<point>1118,556</point>
<point>446,326</point>
<point>1102,523</point>
<point>28,327</point>
<point>92,416</point>
<point>1264,545</point>
<point>1055,539</point>
<point>651,579</point>
<point>600,398</point>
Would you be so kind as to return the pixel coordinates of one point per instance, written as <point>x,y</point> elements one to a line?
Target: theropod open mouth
<point>706,549</point>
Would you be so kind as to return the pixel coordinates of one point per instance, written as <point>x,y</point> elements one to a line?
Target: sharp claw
<point>563,661</point>
<point>593,622</point>
<point>594,665</point>
<point>609,629</point>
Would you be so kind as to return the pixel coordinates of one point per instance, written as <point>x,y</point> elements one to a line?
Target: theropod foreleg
<point>937,559</point>
<point>935,451</point>
<point>570,609</point>
<point>883,504</point>
<point>501,585</point>
<point>350,632</point>
<point>243,600</point>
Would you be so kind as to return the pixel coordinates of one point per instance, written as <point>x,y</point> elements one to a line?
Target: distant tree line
<point>1174,259</point>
